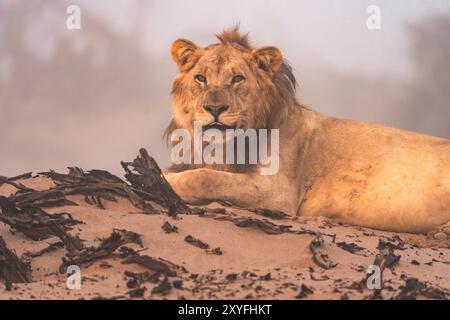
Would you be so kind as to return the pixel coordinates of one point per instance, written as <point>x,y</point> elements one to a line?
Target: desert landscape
<point>136,239</point>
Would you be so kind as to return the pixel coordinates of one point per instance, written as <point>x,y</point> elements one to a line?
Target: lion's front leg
<point>202,186</point>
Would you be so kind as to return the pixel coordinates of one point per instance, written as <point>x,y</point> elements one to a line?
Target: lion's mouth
<point>217,125</point>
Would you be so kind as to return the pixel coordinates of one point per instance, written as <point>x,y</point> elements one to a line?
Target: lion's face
<point>222,89</point>
<point>226,85</point>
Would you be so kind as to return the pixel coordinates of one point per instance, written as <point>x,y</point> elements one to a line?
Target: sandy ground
<point>252,262</point>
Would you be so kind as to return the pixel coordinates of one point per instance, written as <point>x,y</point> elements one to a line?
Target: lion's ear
<point>268,59</point>
<point>185,54</point>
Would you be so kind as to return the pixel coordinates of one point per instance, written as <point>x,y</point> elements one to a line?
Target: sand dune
<point>212,252</point>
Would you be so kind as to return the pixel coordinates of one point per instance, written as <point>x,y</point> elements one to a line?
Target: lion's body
<point>363,174</point>
<point>371,175</point>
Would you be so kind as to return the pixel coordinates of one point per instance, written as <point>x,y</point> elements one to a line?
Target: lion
<point>362,174</point>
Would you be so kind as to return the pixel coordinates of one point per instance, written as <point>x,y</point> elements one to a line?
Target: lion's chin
<point>217,125</point>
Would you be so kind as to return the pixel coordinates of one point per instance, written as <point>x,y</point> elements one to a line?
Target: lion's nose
<point>216,111</point>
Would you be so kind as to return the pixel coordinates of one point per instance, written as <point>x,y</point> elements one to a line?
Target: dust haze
<point>92,97</point>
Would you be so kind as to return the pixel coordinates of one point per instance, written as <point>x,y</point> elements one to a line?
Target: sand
<point>314,258</point>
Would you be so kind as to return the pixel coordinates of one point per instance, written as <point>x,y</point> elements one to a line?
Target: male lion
<point>360,173</point>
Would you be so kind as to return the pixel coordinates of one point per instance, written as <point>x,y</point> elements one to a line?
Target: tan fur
<point>363,174</point>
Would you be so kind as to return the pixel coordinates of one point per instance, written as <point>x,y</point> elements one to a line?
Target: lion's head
<point>230,84</point>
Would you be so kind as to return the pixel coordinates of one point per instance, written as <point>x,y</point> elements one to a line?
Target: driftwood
<point>95,186</point>
<point>321,259</point>
<point>169,228</point>
<point>12,269</point>
<point>34,222</point>
<point>27,175</point>
<point>51,247</point>
<point>413,288</point>
<point>47,198</point>
<point>261,224</point>
<point>164,287</point>
<point>386,258</point>
<point>137,293</point>
<point>196,242</point>
<point>82,256</point>
<point>24,211</point>
<point>350,247</point>
<point>148,181</point>
<point>304,292</point>
<point>71,243</point>
<point>158,266</point>
<point>11,181</point>
<point>202,245</point>
<point>135,279</point>
<point>264,225</point>
<point>272,214</point>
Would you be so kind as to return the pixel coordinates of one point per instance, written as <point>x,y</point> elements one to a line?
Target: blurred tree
<point>89,69</point>
<point>429,93</point>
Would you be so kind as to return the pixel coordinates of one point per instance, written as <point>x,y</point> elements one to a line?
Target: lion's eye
<point>237,79</point>
<point>201,79</point>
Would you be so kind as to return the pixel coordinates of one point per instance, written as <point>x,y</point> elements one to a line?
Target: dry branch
<point>158,266</point>
<point>82,256</point>
<point>321,259</point>
<point>34,222</point>
<point>12,269</point>
<point>96,186</point>
<point>148,181</point>
<point>11,181</point>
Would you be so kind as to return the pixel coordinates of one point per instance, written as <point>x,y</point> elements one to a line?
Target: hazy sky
<point>331,30</point>
<point>62,111</point>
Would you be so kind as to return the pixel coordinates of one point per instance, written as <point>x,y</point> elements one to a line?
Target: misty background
<point>92,97</point>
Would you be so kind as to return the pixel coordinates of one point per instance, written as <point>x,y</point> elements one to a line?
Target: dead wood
<point>46,198</point>
<point>304,292</point>
<point>272,214</point>
<point>135,279</point>
<point>96,186</point>
<point>72,244</point>
<point>196,242</point>
<point>350,247</point>
<point>148,181</point>
<point>414,288</point>
<point>11,181</point>
<point>264,225</point>
<point>164,287</point>
<point>33,221</point>
<point>82,256</point>
<point>169,228</point>
<point>137,293</point>
<point>51,247</point>
<point>159,266</point>
<point>386,258</point>
<point>321,259</point>
<point>12,269</point>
